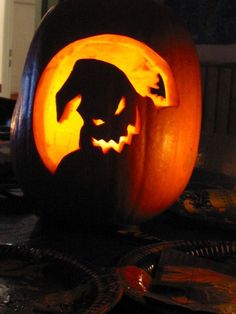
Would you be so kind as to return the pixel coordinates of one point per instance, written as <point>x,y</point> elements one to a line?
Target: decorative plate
<point>138,267</point>
<point>212,205</point>
<point>40,281</point>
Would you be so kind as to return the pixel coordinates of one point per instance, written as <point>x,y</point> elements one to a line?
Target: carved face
<point>88,95</point>
<point>106,105</point>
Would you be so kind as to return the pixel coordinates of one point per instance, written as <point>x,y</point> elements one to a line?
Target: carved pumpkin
<point>107,123</point>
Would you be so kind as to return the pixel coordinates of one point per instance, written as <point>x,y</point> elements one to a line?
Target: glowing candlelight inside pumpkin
<point>143,68</point>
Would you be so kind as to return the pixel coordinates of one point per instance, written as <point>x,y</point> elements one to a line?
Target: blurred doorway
<point>20,22</point>
<point>21,19</point>
<point>23,28</point>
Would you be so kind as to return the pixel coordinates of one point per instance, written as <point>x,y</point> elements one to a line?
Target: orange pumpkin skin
<point>149,175</point>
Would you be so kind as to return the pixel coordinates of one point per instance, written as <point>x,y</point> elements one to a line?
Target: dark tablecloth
<point>104,246</point>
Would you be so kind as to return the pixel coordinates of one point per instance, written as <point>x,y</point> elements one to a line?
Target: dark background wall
<point>210,21</point>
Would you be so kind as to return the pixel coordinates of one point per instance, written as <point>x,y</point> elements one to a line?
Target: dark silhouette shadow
<point>101,87</point>
<point>86,175</point>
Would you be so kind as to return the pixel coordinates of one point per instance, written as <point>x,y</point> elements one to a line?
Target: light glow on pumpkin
<point>142,66</point>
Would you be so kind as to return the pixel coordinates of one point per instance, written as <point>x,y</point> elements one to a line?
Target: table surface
<point>104,246</point>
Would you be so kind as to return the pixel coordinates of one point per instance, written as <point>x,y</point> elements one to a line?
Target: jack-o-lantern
<point>107,123</point>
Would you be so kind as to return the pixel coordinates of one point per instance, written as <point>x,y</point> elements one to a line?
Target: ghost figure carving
<point>106,102</point>
<point>106,105</point>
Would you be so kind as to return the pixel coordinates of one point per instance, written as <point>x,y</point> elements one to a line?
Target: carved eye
<point>119,109</point>
<point>121,106</point>
<point>98,121</point>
